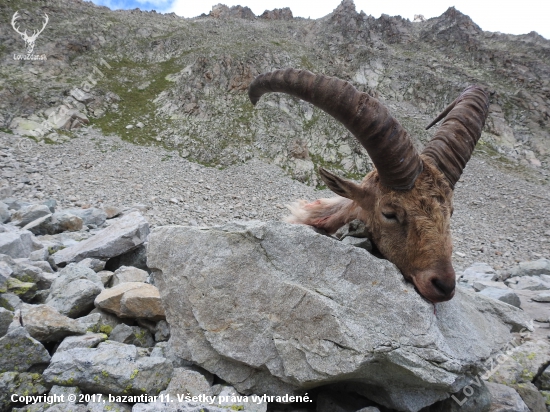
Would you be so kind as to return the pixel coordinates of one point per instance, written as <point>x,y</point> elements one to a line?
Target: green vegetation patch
<point>136,104</point>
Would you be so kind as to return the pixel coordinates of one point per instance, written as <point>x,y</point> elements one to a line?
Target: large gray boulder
<point>121,236</point>
<point>273,308</point>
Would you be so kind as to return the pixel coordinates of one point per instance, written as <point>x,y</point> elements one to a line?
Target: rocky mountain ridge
<point>161,79</point>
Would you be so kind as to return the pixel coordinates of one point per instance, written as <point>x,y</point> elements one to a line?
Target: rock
<point>111,368</point>
<point>132,335</point>
<point>74,291</point>
<point>112,211</point>
<point>478,272</point>
<point>106,276</point>
<point>532,268</point>
<point>531,396</point>
<point>15,243</point>
<point>4,213</point>
<point>185,380</point>
<point>9,301</point>
<point>474,397</point>
<point>542,297</point>
<point>92,217</point>
<point>163,331</point>
<point>6,317</point>
<point>95,264</point>
<point>543,381</point>
<point>24,290</point>
<point>106,406</point>
<point>121,236</point>
<point>246,315</point>
<point>63,222</point>
<point>132,300</point>
<point>89,340</point>
<point>67,407</point>
<point>480,285</point>
<point>29,214</point>
<point>506,296</point>
<point>20,352</point>
<point>100,322</point>
<point>522,364</point>
<point>358,242</point>
<point>46,324</point>
<point>64,391</point>
<point>5,272</point>
<point>505,399</point>
<point>20,384</point>
<point>129,274</point>
<point>51,203</point>
<point>81,95</point>
<point>528,283</point>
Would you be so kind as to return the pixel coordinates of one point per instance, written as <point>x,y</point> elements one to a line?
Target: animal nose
<point>445,286</point>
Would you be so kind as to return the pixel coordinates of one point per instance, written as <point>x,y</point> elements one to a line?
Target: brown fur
<point>418,241</point>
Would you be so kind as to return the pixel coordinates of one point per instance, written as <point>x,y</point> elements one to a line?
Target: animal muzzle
<point>436,286</point>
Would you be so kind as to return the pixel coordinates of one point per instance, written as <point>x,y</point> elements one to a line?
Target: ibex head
<point>406,202</point>
<point>29,40</point>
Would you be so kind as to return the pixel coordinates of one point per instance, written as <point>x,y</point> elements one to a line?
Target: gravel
<point>501,217</point>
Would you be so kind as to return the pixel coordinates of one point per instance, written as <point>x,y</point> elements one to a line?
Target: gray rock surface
<point>26,215</point>
<point>531,396</point>
<point>112,367</point>
<point>92,216</point>
<point>89,340</point>
<point>132,335</point>
<point>542,297</point>
<point>29,384</point>
<point>19,351</point>
<point>121,236</point>
<point>46,324</point>
<point>128,274</point>
<point>74,291</point>
<point>108,407</point>
<point>506,296</point>
<point>523,363</point>
<point>185,380</point>
<point>532,268</point>
<point>6,317</point>
<point>250,300</point>
<point>15,243</point>
<point>528,283</point>
<point>505,399</point>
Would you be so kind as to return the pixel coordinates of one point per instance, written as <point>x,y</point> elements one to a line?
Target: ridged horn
<point>454,141</point>
<point>385,140</point>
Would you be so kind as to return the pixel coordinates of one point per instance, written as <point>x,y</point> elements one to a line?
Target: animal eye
<point>390,216</point>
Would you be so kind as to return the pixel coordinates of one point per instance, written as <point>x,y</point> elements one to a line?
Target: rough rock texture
<point>29,384</point>
<point>121,236</point>
<point>46,324</point>
<point>15,243</point>
<point>6,317</point>
<point>89,340</point>
<point>185,380</point>
<point>271,307</point>
<point>74,291</point>
<point>110,368</point>
<point>132,335</point>
<point>132,300</point>
<point>531,396</point>
<point>505,399</point>
<point>523,363</point>
<point>128,274</point>
<point>19,351</point>
<point>506,296</point>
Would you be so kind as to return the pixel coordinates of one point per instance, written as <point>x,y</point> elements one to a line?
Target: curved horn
<point>387,143</point>
<point>454,141</point>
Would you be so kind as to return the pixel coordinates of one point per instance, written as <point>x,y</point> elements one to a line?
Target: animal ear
<point>343,187</point>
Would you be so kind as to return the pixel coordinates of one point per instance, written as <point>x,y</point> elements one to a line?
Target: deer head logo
<point>29,40</point>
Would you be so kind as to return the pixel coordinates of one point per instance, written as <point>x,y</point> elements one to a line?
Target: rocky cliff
<point>162,79</point>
